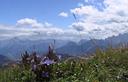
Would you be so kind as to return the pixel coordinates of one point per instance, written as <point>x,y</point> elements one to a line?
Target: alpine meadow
<point>63,40</point>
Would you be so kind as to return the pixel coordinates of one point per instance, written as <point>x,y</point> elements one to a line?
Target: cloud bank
<point>100,24</point>
<point>93,22</point>
<point>32,29</point>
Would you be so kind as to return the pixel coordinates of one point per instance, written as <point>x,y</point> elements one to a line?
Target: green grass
<point>105,66</point>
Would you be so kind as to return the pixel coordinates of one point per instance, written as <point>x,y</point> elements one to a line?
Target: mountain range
<point>14,47</point>
<point>89,46</point>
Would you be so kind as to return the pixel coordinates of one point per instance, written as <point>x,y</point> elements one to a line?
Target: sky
<point>63,19</point>
<point>41,10</point>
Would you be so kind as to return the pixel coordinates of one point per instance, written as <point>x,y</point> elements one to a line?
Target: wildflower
<point>48,62</point>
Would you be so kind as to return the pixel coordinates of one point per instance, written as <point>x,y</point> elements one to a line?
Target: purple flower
<point>48,62</point>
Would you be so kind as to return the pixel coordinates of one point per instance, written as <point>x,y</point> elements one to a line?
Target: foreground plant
<point>104,66</point>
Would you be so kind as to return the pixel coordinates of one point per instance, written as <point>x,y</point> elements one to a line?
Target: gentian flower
<point>48,62</point>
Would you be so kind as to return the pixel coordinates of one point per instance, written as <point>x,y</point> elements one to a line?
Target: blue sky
<point>41,10</point>
<point>41,19</point>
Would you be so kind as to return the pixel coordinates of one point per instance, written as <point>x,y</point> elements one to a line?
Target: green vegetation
<point>103,66</point>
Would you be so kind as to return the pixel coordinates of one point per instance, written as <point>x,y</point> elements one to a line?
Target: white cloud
<point>86,1</point>
<point>113,20</point>
<point>47,24</point>
<point>85,10</point>
<point>63,14</point>
<point>42,31</point>
<point>29,22</point>
<point>32,23</point>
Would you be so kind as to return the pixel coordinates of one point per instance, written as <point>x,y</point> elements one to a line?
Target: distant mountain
<point>122,38</point>
<point>70,48</point>
<point>82,41</point>
<point>3,60</point>
<point>84,46</point>
<point>14,47</point>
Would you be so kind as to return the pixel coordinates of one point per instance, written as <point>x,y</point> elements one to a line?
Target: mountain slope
<point>14,47</point>
<point>90,46</point>
<point>3,60</point>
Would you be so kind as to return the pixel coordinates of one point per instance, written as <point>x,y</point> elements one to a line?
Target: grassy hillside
<point>103,66</point>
